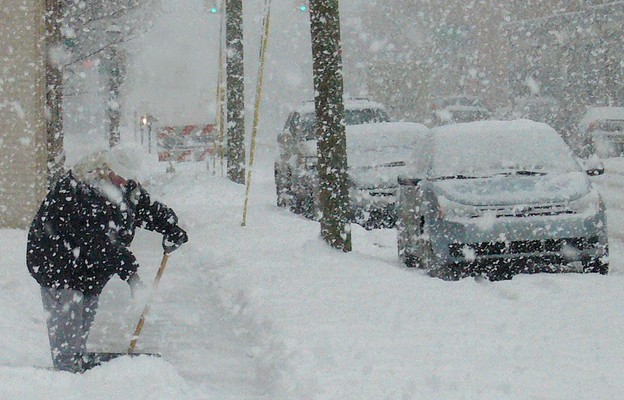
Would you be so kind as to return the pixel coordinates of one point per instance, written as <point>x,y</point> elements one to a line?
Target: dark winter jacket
<point>80,236</point>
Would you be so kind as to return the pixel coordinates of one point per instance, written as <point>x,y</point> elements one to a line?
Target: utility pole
<point>115,73</point>
<point>54,90</point>
<point>332,144</point>
<point>235,91</point>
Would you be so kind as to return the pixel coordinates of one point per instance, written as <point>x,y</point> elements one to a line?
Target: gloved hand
<point>136,284</point>
<point>173,239</point>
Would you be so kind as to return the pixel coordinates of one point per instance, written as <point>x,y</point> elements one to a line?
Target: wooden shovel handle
<point>139,327</point>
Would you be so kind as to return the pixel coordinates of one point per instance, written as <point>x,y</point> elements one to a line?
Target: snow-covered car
<point>603,127</point>
<point>376,156</point>
<point>458,109</point>
<point>297,142</point>
<point>497,198</point>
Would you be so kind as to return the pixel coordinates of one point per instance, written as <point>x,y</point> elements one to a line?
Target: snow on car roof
<point>488,146</point>
<point>485,128</point>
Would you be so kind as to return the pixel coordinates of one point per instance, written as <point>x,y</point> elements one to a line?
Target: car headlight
<point>589,204</point>
<point>450,210</point>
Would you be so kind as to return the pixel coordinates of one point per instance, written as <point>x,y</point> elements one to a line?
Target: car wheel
<point>297,204</point>
<point>304,205</point>
<point>596,266</point>
<point>447,273</point>
<point>424,260</point>
<point>409,260</point>
<point>309,209</point>
<point>282,189</point>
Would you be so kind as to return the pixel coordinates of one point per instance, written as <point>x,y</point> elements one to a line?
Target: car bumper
<point>375,208</point>
<point>518,245</point>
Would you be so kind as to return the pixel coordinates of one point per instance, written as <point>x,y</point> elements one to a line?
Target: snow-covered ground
<point>268,311</point>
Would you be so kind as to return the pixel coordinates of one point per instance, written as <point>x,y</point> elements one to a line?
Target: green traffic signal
<point>303,7</point>
<point>214,10</point>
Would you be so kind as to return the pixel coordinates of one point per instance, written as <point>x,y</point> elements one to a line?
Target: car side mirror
<point>281,137</point>
<point>408,181</point>
<point>593,166</point>
<point>595,171</point>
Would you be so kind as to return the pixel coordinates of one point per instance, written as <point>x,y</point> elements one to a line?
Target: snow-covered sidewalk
<point>268,311</point>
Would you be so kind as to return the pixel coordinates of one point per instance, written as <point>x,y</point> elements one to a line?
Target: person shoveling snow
<point>80,238</point>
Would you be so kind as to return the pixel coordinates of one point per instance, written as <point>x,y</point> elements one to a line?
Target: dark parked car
<point>297,142</point>
<point>376,156</point>
<point>458,109</point>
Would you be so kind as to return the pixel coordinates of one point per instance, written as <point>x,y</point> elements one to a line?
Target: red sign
<point>186,142</point>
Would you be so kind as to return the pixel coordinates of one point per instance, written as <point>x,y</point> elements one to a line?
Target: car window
<point>365,116</point>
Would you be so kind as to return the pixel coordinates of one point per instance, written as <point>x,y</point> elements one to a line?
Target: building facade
<point>22,111</point>
<point>500,51</point>
<point>574,54</point>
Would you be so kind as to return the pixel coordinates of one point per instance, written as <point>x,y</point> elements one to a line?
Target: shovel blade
<point>92,359</point>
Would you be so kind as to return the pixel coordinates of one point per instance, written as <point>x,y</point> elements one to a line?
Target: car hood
<point>382,176</point>
<point>515,189</point>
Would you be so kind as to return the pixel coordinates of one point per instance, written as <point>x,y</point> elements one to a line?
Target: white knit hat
<point>86,168</point>
<point>122,160</point>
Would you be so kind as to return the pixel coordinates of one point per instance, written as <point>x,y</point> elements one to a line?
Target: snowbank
<point>269,311</point>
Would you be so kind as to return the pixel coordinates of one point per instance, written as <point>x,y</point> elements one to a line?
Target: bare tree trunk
<point>116,72</point>
<point>235,91</point>
<point>332,145</point>
<point>54,90</point>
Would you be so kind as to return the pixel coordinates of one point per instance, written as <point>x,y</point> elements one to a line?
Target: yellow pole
<point>254,131</point>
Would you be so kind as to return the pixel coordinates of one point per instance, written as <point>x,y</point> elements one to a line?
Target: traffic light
<point>303,5</point>
<point>212,6</point>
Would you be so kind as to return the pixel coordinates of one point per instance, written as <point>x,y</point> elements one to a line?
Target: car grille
<point>458,250</point>
<point>526,211</point>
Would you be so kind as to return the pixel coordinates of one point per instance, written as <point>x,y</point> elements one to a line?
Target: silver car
<point>497,198</point>
<point>376,156</point>
<point>603,128</point>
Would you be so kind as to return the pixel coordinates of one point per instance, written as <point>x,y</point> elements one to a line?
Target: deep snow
<point>268,311</point>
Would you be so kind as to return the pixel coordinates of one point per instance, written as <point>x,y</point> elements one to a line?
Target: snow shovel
<point>93,359</point>
<point>141,322</point>
<point>163,264</point>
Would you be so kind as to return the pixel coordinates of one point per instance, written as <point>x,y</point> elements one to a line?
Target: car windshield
<point>471,152</point>
<point>377,154</point>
